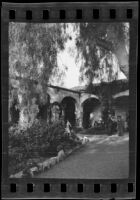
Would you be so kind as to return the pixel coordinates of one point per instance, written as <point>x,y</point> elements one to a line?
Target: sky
<point>66,59</point>
<point>66,62</point>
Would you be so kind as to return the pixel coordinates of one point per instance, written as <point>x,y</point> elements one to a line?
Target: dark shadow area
<point>88,107</point>
<point>44,109</point>
<point>121,107</point>
<point>68,104</point>
<point>122,103</point>
<point>14,112</point>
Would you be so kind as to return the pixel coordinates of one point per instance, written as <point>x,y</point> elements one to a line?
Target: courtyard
<point>64,87</point>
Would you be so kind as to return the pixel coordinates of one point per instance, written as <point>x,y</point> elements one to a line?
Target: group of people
<point>115,125</point>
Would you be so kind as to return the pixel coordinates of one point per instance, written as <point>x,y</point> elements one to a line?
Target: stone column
<point>79,115</point>
<point>81,118</point>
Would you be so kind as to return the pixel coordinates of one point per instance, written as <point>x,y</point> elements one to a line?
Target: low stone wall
<point>49,163</point>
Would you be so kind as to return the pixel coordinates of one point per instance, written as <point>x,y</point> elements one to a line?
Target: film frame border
<point>70,16</point>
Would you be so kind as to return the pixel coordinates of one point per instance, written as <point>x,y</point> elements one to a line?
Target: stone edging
<point>49,163</point>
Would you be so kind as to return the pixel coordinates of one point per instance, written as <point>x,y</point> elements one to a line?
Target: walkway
<point>103,157</point>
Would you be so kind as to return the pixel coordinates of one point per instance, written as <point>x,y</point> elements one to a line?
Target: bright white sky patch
<point>72,72</point>
<point>66,62</point>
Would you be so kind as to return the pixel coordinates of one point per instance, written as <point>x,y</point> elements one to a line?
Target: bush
<point>40,140</point>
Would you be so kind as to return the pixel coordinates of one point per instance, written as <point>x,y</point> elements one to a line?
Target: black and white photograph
<point>68,106</point>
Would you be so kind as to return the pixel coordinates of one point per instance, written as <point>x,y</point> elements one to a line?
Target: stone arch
<point>86,96</point>
<point>68,94</point>
<point>58,94</point>
<point>121,94</point>
<point>91,112</point>
<point>69,106</point>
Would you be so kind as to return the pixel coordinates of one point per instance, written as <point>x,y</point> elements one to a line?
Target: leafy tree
<point>97,41</point>
<point>33,50</point>
<point>103,47</point>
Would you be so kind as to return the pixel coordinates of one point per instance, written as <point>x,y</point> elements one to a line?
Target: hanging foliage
<point>33,50</point>
<point>98,41</point>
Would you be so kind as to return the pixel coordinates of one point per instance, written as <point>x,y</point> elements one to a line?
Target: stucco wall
<point>58,95</point>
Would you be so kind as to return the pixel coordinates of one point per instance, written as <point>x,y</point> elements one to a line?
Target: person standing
<point>114,124</point>
<point>68,128</point>
<point>120,125</point>
<point>110,125</point>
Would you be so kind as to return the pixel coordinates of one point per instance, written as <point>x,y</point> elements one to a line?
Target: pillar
<point>79,115</point>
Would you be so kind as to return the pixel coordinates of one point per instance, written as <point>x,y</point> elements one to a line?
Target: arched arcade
<point>91,112</point>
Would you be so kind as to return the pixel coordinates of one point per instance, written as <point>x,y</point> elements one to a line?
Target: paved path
<point>103,157</point>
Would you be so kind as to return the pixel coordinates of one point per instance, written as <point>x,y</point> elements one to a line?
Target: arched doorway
<point>90,106</point>
<point>68,106</point>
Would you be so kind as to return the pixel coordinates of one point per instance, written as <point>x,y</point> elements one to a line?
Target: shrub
<point>40,140</point>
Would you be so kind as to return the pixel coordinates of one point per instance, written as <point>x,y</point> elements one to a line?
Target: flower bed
<point>36,144</point>
<point>36,168</point>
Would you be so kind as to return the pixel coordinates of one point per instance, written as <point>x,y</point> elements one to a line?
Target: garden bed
<point>36,144</point>
<point>40,167</point>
